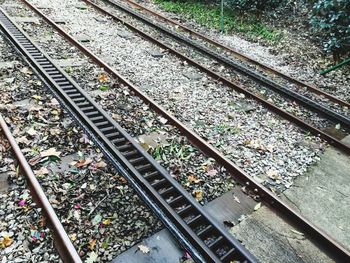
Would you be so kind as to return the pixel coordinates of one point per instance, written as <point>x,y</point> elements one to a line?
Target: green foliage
<point>209,15</point>
<point>331,18</point>
<point>254,5</point>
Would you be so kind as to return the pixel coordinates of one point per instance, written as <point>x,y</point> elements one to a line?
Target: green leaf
<point>97,219</point>
<point>104,88</point>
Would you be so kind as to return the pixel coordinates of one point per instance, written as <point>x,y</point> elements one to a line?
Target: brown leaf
<point>6,241</point>
<point>193,179</point>
<point>92,244</point>
<point>103,78</point>
<point>41,172</point>
<point>198,195</point>
<point>101,164</point>
<point>81,163</point>
<point>50,152</point>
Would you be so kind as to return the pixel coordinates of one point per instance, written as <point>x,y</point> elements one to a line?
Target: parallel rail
<point>239,55</point>
<point>63,244</point>
<point>304,125</point>
<point>301,99</point>
<point>325,242</point>
<point>204,238</point>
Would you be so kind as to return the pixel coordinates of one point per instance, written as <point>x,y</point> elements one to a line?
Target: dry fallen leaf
<point>32,132</point>
<point>92,257</point>
<point>6,241</point>
<point>23,140</point>
<point>162,120</point>
<point>50,152</point>
<point>193,179</point>
<point>144,249</point>
<point>76,214</point>
<point>26,71</point>
<point>106,222</point>
<point>198,195</point>
<point>41,172</point>
<point>36,97</point>
<point>92,244</point>
<point>273,174</point>
<point>212,172</point>
<point>73,237</point>
<point>257,206</point>
<point>103,78</point>
<point>81,163</point>
<point>101,164</point>
<point>297,232</point>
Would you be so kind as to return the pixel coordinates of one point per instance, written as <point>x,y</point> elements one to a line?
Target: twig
<point>98,204</point>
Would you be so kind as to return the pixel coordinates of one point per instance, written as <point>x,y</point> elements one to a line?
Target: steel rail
<point>201,235</point>
<point>240,55</point>
<point>237,87</point>
<point>301,99</point>
<point>318,236</point>
<point>63,244</point>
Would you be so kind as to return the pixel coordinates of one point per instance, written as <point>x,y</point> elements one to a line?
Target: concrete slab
<point>164,249</point>
<point>271,239</point>
<point>21,19</point>
<point>323,195</point>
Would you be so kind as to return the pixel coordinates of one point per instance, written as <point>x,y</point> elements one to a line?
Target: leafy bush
<point>331,19</point>
<point>255,5</point>
<point>208,13</point>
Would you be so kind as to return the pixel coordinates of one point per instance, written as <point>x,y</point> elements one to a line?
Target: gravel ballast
<point>270,149</point>
<point>24,235</point>
<point>294,54</point>
<point>100,212</point>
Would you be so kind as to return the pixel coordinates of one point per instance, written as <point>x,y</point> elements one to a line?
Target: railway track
<point>62,242</point>
<point>224,79</point>
<point>212,53</point>
<point>212,43</point>
<point>108,133</point>
<point>201,235</point>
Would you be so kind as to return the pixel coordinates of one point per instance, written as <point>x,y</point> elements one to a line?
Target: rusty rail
<point>63,244</point>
